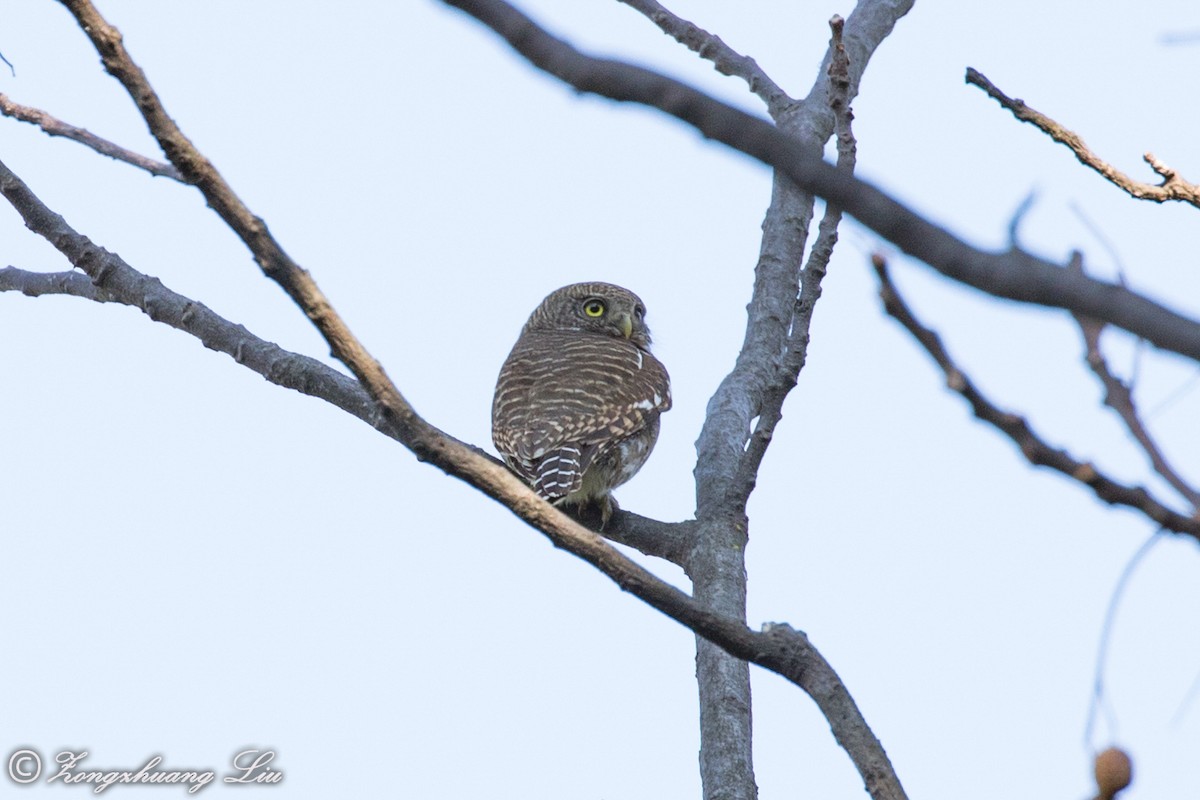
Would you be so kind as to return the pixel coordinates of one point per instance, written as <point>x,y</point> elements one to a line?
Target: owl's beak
<point>625,325</point>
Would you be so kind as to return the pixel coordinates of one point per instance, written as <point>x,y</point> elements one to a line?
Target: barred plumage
<point>577,404</point>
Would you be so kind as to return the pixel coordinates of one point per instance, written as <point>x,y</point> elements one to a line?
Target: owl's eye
<point>594,308</point>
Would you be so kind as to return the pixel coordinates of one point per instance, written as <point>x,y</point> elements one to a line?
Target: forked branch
<point>1015,427</point>
<point>54,126</point>
<point>724,58</point>
<point>1119,397</point>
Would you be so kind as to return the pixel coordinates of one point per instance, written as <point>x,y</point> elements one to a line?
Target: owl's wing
<point>559,394</point>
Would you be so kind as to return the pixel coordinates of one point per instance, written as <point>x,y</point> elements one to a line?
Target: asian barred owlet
<point>577,402</point>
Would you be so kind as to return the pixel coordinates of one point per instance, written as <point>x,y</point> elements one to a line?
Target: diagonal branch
<point>268,253</point>
<point>724,58</point>
<point>1119,397</point>
<point>1032,446</point>
<point>647,535</point>
<point>665,540</point>
<point>127,286</point>
<point>56,127</point>
<point>1010,274</point>
<point>1173,186</point>
<point>785,652</point>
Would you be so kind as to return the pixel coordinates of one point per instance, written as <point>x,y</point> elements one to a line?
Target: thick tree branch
<point>667,540</point>
<point>115,281</point>
<point>788,654</point>
<point>1011,274</point>
<point>275,263</point>
<point>724,58</point>
<point>725,473</point>
<point>127,286</point>
<point>56,127</point>
<point>196,169</point>
<point>795,355</point>
<point>1032,446</point>
<point>1173,186</point>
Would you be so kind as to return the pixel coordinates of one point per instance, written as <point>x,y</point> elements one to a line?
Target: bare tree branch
<point>787,653</point>
<point>672,541</point>
<point>56,127</point>
<point>724,58</point>
<point>115,281</point>
<point>796,352</point>
<point>1173,186</point>
<point>1119,397</point>
<point>36,284</point>
<point>1032,446</point>
<point>278,266</point>
<point>127,286</point>
<point>111,280</point>
<point>398,416</point>
<point>398,419</point>
<point>765,371</point>
<point>1010,274</point>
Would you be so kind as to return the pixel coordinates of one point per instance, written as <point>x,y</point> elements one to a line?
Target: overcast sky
<point>198,562</point>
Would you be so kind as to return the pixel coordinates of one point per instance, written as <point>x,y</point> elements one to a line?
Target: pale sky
<point>198,562</point>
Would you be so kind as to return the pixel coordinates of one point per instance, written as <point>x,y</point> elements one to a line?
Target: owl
<point>577,403</point>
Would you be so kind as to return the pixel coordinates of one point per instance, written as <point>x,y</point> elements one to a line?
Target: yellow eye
<point>594,308</point>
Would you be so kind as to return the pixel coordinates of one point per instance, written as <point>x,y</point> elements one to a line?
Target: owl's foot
<point>594,512</point>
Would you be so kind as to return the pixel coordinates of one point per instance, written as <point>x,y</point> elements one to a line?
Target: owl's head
<point>595,308</point>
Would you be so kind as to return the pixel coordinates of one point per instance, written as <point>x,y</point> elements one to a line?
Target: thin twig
<point>1119,397</point>
<point>1014,426</point>
<point>1173,187</point>
<point>724,58</point>
<point>37,284</point>
<point>1099,699</point>
<point>1186,387</point>
<point>56,127</point>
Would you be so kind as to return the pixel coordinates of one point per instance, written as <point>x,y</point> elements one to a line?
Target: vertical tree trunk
<point>726,754</point>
